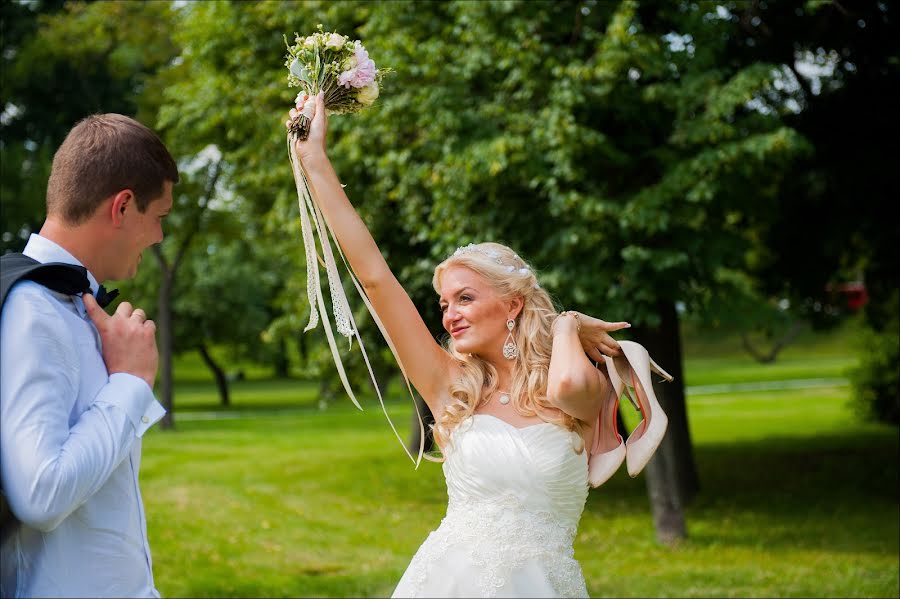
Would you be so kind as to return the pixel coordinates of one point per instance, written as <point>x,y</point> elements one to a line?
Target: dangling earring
<point>510,350</point>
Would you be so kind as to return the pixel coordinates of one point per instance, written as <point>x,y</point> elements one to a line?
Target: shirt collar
<point>44,250</point>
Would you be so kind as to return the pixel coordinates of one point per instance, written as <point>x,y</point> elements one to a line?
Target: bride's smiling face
<point>473,313</point>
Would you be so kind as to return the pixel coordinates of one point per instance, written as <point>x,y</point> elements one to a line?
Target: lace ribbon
<point>311,215</point>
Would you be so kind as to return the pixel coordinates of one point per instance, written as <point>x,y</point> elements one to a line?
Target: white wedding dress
<point>515,499</point>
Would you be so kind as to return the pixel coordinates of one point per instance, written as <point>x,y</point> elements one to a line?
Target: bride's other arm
<point>595,337</point>
<point>574,385</point>
<point>425,361</point>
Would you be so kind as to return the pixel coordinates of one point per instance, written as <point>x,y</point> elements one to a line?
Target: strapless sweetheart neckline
<point>510,425</point>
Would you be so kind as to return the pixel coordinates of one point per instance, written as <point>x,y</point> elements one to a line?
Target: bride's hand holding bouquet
<point>311,149</point>
<point>337,77</point>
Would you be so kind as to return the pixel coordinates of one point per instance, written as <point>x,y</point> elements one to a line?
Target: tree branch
<point>770,356</point>
<point>198,216</point>
<point>840,8</point>
<point>576,28</point>
<point>161,258</point>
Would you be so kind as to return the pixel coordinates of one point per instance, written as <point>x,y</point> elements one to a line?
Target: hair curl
<point>510,277</point>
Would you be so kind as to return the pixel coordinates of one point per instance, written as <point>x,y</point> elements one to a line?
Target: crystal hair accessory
<point>492,254</point>
<point>498,258</point>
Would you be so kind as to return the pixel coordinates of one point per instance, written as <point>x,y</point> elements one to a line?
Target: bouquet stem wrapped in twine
<point>330,62</point>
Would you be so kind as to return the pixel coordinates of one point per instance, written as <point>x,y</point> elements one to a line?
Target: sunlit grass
<point>798,498</point>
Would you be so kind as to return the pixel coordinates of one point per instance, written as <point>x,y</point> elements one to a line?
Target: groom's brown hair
<point>102,155</point>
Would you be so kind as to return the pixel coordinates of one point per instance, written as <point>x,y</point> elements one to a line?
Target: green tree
<point>643,156</point>
<point>220,296</point>
<point>213,283</point>
<point>60,63</point>
<point>834,218</point>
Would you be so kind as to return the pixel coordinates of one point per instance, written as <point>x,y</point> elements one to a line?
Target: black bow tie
<point>103,296</point>
<point>71,279</point>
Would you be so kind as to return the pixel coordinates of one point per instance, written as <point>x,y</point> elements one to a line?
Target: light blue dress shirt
<point>70,450</point>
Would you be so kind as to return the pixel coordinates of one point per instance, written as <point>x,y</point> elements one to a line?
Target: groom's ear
<point>122,202</point>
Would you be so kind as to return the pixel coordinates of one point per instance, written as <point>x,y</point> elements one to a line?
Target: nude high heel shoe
<point>635,366</point>
<point>608,448</point>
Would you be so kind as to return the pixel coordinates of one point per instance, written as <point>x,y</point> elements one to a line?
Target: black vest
<point>64,278</point>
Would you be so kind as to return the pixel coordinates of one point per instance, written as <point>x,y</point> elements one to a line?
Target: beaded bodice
<point>536,467</point>
<point>515,498</point>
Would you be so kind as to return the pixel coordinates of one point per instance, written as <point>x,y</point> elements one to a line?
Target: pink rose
<point>362,70</point>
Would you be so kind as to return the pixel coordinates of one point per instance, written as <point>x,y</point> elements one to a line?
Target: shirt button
<point>144,419</point>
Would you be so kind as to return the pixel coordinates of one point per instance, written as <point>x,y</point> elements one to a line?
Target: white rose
<point>335,40</point>
<point>367,94</point>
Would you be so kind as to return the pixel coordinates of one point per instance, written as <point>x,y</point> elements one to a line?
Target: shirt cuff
<point>136,398</point>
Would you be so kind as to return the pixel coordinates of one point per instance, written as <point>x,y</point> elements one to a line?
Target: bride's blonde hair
<point>510,277</point>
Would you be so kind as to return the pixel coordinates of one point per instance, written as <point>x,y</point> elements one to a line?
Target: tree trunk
<point>218,373</point>
<point>672,480</point>
<point>164,324</point>
<point>662,489</point>
<point>326,393</point>
<point>415,434</point>
<point>280,363</point>
<point>164,327</point>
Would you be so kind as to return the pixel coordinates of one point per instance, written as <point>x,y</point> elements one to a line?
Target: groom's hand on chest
<point>128,337</point>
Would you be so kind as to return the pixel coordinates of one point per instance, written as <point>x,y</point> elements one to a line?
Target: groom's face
<point>141,230</point>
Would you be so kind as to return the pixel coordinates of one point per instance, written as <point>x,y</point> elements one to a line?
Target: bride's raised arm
<point>426,363</point>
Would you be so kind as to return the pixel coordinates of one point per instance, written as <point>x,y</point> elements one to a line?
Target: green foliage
<point>61,64</point>
<point>625,169</point>
<point>241,287</point>
<point>876,381</point>
<point>224,283</point>
<point>634,152</point>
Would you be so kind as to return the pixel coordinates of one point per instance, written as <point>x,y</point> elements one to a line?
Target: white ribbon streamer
<point>311,215</point>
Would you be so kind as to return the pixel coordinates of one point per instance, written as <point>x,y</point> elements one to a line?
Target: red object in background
<point>855,293</point>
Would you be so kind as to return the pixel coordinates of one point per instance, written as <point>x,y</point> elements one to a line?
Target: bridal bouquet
<point>332,63</point>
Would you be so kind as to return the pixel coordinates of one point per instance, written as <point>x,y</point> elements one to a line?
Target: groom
<point>75,383</point>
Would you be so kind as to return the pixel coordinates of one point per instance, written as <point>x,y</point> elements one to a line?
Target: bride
<point>518,406</point>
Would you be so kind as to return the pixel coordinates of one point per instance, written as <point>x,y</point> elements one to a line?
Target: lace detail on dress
<point>499,537</point>
<point>515,498</point>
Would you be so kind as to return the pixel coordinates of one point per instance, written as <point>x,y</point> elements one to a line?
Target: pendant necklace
<point>504,397</point>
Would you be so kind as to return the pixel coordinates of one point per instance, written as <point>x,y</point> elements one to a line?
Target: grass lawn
<point>798,498</point>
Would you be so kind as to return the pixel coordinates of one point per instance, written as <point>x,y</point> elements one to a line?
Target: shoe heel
<point>658,370</point>
<point>617,376</point>
<point>648,434</point>
<point>633,401</point>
